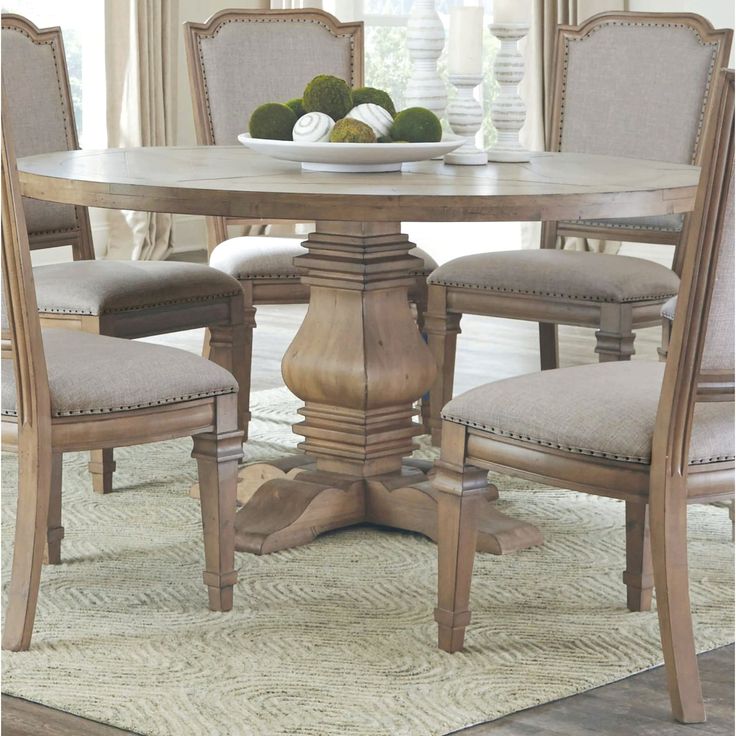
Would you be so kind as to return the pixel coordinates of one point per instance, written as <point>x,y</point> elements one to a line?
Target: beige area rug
<point>336,637</point>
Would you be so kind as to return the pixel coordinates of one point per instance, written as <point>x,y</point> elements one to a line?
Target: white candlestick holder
<point>508,111</point>
<point>425,41</point>
<point>465,116</point>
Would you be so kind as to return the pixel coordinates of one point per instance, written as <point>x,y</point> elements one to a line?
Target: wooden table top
<point>232,181</point>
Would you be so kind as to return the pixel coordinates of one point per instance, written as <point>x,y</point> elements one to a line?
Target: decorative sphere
<point>352,131</point>
<point>272,120</point>
<point>297,106</point>
<point>328,94</point>
<point>376,97</point>
<point>416,125</point>
<point>313,127</point>
<point>374,115</point>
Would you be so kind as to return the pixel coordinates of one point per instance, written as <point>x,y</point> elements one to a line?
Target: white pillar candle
<point>466,41</point>
<point>511,11</point>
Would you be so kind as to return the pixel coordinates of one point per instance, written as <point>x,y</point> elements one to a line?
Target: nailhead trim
<point>140,307</point>
<point>217,30</point>
<point>295,277</point>
<point>131,407</point>
<point>714,44</point>
<point>622,226</point>
<point>501,290</point>
<point>573,450</point>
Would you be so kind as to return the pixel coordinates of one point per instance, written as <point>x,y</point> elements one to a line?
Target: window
<point>83,27</point>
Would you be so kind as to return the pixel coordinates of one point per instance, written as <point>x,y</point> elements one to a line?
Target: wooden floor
<point>488,349</point>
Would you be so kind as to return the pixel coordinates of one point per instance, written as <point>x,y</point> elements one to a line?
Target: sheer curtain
<point>537,89</point>
<point>140,60</point>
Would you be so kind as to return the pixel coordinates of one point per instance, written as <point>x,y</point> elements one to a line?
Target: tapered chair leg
<point>101,467</point>
<point>442,328</point>
<point>549,349</point>
<point>419,297</point>
<point>34,489</point>
<point>218,454</point>
<point>54,529</point>
<point>638,574</point>
<point>668,521</point>
<point>615,337</point>
<point>461,489</point>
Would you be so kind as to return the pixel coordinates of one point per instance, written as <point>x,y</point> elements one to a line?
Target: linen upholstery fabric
<point>240,73</point>
<point>102,287</point>
<point>635,88</point>
<point>249,258</point>
<point>668,309</point>
<point>34,100</point>
<point>718,349</point>
<point>603,410</point>
<point>94,374</point>
<point>561,274</point>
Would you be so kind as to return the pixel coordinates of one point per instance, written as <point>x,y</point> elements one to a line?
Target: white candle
<point>466,41</point>
<point>511,11</point>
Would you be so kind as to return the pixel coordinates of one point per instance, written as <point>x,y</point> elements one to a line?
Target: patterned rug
<point>336,637</point>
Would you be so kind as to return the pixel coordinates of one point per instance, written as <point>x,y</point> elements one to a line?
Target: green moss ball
<point>329,95</point>
<point>352,131</point>
<point>376,96</point>
<point>272,120</point>
<point>416,125</point>
<point>297,106</point>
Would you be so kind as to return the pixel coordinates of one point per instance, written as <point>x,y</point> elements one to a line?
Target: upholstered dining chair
<point>118,298</point>
<point>238,60</point>
<point>625,84</point>
<point>657,435</point>
<point>54,401</point>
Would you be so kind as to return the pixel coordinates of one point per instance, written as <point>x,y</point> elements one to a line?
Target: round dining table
<point>358,361</point>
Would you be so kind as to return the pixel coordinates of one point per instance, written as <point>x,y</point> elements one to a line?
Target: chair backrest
<point>700,361</point>
<point>37,98</point>
<point>22,337</point>
<point>239,59</point>
<point>637,85</point>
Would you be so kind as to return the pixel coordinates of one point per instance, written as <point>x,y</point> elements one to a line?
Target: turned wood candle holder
<point>465,116</point>
<point>508,111</point>
<point>425,41</point>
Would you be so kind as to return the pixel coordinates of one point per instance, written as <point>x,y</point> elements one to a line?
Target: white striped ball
<point>314,127</point>
<point>374,115</point>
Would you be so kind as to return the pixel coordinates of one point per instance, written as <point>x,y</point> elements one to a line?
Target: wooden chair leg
<point>460,489</point>
<point>442,329</point>
<point>34,489</point>
<point>668,522</point>
<point>54,529</point>
<point>218,454</point>
<point>732,516</point>
<point>615,338</point>
<point>419,297</point>
<point>638,574</point>
<point>663,349</point>
<point>101,467</point>
<point>549,350</point>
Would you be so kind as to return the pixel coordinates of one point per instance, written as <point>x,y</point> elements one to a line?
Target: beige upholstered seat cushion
<point>102,287</point>
<point>249,258</point>
<point>561,274</point>
<point>668,309</point>
<point>604,410</point>
<point>93,374</point>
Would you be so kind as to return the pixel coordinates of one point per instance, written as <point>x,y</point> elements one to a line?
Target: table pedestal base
<point>288,503</point>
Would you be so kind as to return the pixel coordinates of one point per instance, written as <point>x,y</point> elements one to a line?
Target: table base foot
<point>289,503</point>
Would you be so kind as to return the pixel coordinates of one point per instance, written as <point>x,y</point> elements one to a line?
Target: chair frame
<point>656,495</point>
<point>276,290</point>
<point>41,439</point>
<point>615,323</point>
<point>224,316</point>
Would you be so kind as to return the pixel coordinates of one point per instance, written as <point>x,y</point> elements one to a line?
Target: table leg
<point>358,362</point>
